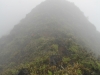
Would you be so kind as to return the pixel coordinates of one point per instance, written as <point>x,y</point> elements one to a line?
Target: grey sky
<point>91,9</point>
<point>12,11</point>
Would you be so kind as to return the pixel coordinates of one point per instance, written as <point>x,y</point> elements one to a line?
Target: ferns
<point>74,60</point>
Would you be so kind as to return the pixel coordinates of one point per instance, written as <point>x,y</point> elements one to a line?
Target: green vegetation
<point>77,62</point>
<point>57,41</point>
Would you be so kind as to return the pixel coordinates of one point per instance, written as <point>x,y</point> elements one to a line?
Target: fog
<point>12,11</point>
<point>55,33</point>
<point>90,9</point>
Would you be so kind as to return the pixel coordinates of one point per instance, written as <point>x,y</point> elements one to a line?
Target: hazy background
<point>12,11</point>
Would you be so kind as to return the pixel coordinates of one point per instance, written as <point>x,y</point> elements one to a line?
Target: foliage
<point>58,33</point>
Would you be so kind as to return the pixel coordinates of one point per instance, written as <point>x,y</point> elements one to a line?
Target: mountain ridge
<point>55,28</point>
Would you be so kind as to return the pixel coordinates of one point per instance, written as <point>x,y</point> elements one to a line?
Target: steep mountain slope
<point>55,38</point>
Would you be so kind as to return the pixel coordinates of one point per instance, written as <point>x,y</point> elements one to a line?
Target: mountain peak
<point>55,38</point>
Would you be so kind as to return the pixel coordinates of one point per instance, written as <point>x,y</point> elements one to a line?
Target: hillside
<point>55,38</point>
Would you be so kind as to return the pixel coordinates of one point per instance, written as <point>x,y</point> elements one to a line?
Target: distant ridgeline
<point>55,38</point>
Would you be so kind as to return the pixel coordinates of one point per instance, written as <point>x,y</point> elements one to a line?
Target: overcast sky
<point>91,9</point>
<point>12,11</point>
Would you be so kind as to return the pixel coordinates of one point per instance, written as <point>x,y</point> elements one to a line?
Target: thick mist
<point>54,38</point>
<point>90,9</point>
<point>12,11</point>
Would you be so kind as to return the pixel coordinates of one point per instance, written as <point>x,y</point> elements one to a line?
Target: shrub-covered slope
<point>52,56</point>
<point>55,38</point>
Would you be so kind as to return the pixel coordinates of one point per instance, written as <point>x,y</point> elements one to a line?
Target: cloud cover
<point>12,11</point>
